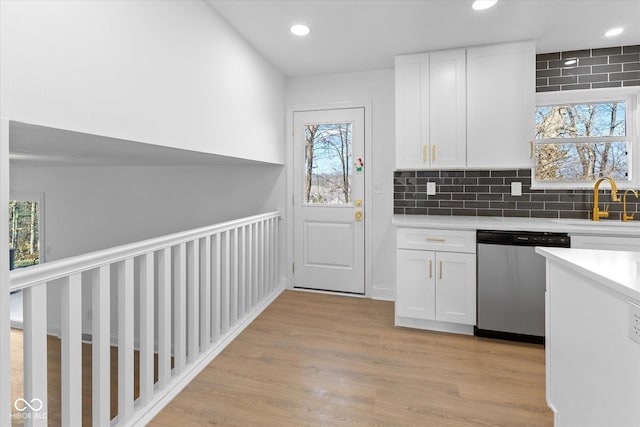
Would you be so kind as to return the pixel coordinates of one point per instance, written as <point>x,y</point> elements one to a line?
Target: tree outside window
<point>328,160</point>
<point>581,142</point>
<point>24,235</point>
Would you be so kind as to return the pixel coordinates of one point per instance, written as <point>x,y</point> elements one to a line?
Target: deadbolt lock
<point>358,215</point>
<point>358,203</point>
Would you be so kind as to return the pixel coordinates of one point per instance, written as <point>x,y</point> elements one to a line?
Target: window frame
<point>630,95</point>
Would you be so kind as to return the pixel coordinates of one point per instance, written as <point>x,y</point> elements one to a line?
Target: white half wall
<point>169,72</point>
<point>92,208</point>
<point>376,88</point>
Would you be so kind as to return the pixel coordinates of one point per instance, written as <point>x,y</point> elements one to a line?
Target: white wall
<point>93,208</point>
<point>168,72</point>
<point>377,88</point>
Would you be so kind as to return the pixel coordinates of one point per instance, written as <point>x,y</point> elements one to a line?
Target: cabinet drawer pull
<point>430,269</point>
<point>425,153</point>
<point>433,153</point>
<point>435,239</point>
<point>440,269</point>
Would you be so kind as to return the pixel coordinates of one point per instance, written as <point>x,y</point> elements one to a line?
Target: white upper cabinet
<point>430,110</point>
<point>500,105</point>
<point>447,109</point>
<point>412,111</point>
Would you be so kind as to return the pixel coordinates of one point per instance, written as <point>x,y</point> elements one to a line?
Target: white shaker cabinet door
<point>412,111</point>
<point>447,109</point>
<point>501,105</point>
<point>416,284</point>
<point>456,287</point>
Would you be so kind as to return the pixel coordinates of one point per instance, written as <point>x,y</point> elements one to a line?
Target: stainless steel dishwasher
<point>511,283</point>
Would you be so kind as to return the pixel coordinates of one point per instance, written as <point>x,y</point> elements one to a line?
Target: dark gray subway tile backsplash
<point>594,68</point>
<point>488,193</point>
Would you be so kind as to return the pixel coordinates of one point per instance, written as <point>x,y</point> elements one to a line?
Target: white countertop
<point>617,270</point>
<point>571,226</point>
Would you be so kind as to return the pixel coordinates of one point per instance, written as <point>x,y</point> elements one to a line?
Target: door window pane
<point>328,164</point>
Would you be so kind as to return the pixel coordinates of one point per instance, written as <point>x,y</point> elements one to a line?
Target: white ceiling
<point>357,35</point>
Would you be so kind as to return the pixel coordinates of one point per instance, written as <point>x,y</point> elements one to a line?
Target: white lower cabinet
<point>436,289</point>
<point>609,243</point>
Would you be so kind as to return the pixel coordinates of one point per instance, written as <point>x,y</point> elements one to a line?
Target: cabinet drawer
<point>436,240</point>
<point>606,243</point>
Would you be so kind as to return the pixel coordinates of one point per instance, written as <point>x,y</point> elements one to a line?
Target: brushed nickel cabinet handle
<point>440,269</point>
<point>430,269</point>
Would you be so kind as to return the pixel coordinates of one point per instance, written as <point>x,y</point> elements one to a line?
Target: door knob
<point>358,215</point>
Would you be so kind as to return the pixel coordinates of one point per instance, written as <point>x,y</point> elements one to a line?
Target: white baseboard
<point>433,325</point>
<point>383,293</point>
<point>145,414</point>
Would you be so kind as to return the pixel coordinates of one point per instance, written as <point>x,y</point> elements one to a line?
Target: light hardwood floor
<point>325,360</point>
<point>54,382</point>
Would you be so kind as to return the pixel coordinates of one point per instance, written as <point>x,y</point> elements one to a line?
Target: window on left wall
<point>25,231</point>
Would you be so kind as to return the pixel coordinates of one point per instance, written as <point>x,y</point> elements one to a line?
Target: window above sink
<point>584,135</point>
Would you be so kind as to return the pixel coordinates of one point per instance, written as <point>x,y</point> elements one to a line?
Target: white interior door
<point>329,200</point>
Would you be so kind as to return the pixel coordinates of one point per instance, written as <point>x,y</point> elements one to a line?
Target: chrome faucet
<point>597,213</point>
<point>626,217</point>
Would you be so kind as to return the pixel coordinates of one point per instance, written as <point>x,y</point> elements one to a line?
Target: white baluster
<point>226,279</point>
<point>250,269</point>
<point>262,261</point>
<point>125,339</point>
<point>164,317</point>
<point>276,261</point>
<point>216,293</point>
<point>272,240</point>
<point>71,352</point>
<point>101,346</point>
<point>256,263</point>
<point>233,303</point>
<point>147,330</point>
<point>268,255</point>
<point>193,299</point>
<point>35,351</point>
<point>205,293</point>
<point>180,308</point>
<point>242,279</point>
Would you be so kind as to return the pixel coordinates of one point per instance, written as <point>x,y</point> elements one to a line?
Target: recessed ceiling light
<point>614,32</point>
<point>483,4</point>
<point>300,30</point>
